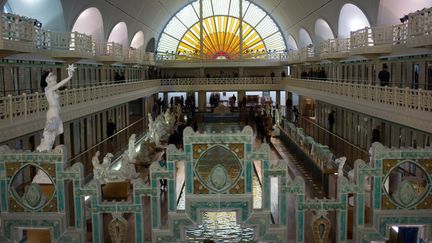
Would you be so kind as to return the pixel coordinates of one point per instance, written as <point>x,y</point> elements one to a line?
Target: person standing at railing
<point>43,82</point>
<point>331,120</point>
<point>384,76</point>
<point>54,124</point>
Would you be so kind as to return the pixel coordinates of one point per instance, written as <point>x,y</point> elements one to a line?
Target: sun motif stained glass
<point>225,33</point>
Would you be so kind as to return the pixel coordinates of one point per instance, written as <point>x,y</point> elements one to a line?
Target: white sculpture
<point>127,170</point>
<point>54,124</point>
<point>131,147</point>
<point>341,162</point>
<point>101,170</point>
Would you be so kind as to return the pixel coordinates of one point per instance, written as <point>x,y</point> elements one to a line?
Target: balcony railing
<point>248,57</point>
<point>332,46</point>
<point>415,99</point>
<point>49,40</point>
<point>21,107</point>
<point>17,28</point>
<point>219,81</point>
<point>110,49</point>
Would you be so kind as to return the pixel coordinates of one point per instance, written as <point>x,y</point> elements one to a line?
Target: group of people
<point>314,74</point>
<point>214,100</point>
<point>264,126</point>
<point>119,77</point>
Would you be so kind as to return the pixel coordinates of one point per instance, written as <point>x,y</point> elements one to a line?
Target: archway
<point>322,31</point>
<point>138,40</point>
<point>304,38</point>
<point>119,34</point>
<point>90,22</point>
<point>351,18</point>
<point>291,43</point>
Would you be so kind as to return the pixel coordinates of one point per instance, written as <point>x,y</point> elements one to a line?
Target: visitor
<point>117,77</point>
<point>384,76</point>
<point>331,120</point>
<point>111,128</point>
<point>43,82</point>
<point>163,164</point>
<point>322,74</point>
<point>283,74</point>
<point>296,114</point>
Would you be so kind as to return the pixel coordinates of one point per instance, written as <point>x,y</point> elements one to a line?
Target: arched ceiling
<point>150,16</point>
<point>153,15</point>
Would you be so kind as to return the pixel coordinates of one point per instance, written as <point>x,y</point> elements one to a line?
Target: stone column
<point>201,101</point>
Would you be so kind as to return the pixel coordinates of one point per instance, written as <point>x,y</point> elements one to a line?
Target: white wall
<point>390,11</point>
<point>90,22</point>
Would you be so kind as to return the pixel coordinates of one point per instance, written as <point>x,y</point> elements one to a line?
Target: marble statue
<point>340,162</point>
<point>100,170</point>
<point>127,169</point>
<point>54,124</point>
<point>131,147</point>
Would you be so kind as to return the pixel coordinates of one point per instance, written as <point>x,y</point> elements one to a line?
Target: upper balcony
<point>375,41</point>
<point>334,49</point>
<point>23,114</point>
<point>17,35</point>
<point>420,29</point>
<point>20,35</point>
<point>69,47</point>
<point>246,60</point>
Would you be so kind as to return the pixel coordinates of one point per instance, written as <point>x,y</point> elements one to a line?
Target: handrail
<point>113,144</point>
<point>331,139</point>
<point>29,105</point>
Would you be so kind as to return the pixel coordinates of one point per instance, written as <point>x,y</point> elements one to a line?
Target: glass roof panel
<point>254,15</point>
<point>220,7</point>
<point>221,31</point>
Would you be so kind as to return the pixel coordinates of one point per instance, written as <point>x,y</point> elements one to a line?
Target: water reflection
<point>256,191</point>
<point>219,127</point>
<point>219,227</point>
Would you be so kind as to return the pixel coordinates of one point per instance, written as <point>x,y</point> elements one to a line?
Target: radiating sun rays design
<point>217,30</point>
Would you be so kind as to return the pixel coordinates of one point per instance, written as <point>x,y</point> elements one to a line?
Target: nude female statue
<point>54,124</point>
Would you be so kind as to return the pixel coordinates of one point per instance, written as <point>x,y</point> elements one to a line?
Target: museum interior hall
<point>216,121</point>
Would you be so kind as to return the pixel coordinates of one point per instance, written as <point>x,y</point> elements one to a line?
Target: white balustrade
<point>372,36</point>
<point>219,81</point>
<point>22,106</point>
<point>73,41</point>
<point>17,28</point>
<point>420,22</point>
<point>332,46</point>
<point>110,49</point>
<point>133,55</point>
<point>415,99</point>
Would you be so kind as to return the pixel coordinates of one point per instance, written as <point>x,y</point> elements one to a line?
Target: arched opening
<point>222,38</point>
<point>138,40</point>
<point>291,43</point>
<point>322,31</point>
<point>151,45</point>
<point>47,12</point>
<point>304,38</point>
<point>90,22</point>
<point>351,18</point>
<point>119,34</point>
<point>390,11</point>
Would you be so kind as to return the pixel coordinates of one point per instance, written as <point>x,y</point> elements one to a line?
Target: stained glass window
<point>224,34</point>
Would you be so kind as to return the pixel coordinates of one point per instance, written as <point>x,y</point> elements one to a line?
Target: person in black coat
<point>384,76</point>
